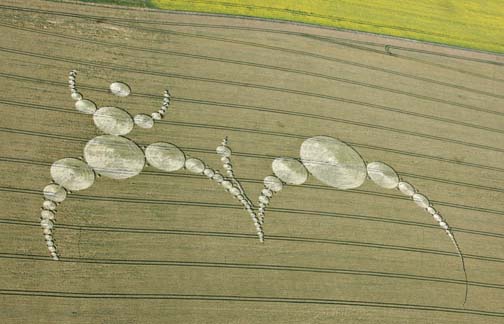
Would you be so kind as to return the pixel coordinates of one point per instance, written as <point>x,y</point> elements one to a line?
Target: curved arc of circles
<point>231,184</point>
<point>380,173</point>
<point>119,89</point>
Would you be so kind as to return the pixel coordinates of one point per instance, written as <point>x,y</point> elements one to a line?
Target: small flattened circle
<point>73,174</point>
<point>223,150</point>
<point>383,175</point>
<point>114,157</point>
<point>421,200</point>
<point>195,165</point>
<point>143,121</point>
<point>227,184</point>
<point>165,156</point>
<point>290,171</point>
<point>273,183</point>
<point>47,214</point>
<point>209,172</point>
<point>85,106</point>
<point>49,205</point>
<point>113,121</point>
<point>120,89</point>
<point>406,189</point>
<point>55,193</point>
<point>47,223</point>
<point>333,162</point>
<point>76,96</point>
<point>217,177</point>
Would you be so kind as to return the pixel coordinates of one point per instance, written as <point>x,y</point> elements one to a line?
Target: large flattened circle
<point>73,174</point>
<point>112,120</point>
<point>290,171</point>
<point>114,157</point>
<point>333,162</point>
<point>165,156</point>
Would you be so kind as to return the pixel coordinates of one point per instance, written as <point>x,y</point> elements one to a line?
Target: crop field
<point>477,24</point>
<point>174,247</point>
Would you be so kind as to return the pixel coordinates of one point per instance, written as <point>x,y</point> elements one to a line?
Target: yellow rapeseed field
<point>477,24</point>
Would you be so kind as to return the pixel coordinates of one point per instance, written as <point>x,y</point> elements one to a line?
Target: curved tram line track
<point>248,266</point>
<point>341,41</point>
<point>233,105</point>
<point>331,18</point>
<point>308,212</point>
<point>290,239</point>
<point>306,186</point>
<point>276,89</point>
<point>250,299</point>
<point>246,107</point>
<point>257,65</point>
<point>112,20</point>
<point>251,155</point>
<point>286,210</point>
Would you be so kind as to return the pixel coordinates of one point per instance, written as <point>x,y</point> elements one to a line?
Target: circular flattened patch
<point>114,157</point>
<point>383,175</point>
<point>49,205</point>
<point>273,183</point>
<point>85,106</point>
<point>333,162</point>
<point>73,174</point>
<point>165,156</point>
<point>406,189</point>
<point>55,193</point>
<point>113,121</point>
<point>290,171</point>
<point>195,165</point>
<point>120,89</point>
<point>421,200</point>
<point>144,121</point>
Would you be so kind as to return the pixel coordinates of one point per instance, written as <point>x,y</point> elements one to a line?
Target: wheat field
<point>175,248</point>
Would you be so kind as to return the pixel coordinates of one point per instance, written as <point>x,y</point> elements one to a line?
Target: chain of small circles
<point>47,217</point>
<point>423,202</point>
<point>158,115</point>
<point>74,93</point>
<point>232,185</point>
<point>48,210</point>
<point>271,185</point>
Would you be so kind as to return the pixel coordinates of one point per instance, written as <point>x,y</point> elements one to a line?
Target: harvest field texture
<point>476,24</point>
<point>175,247</point>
